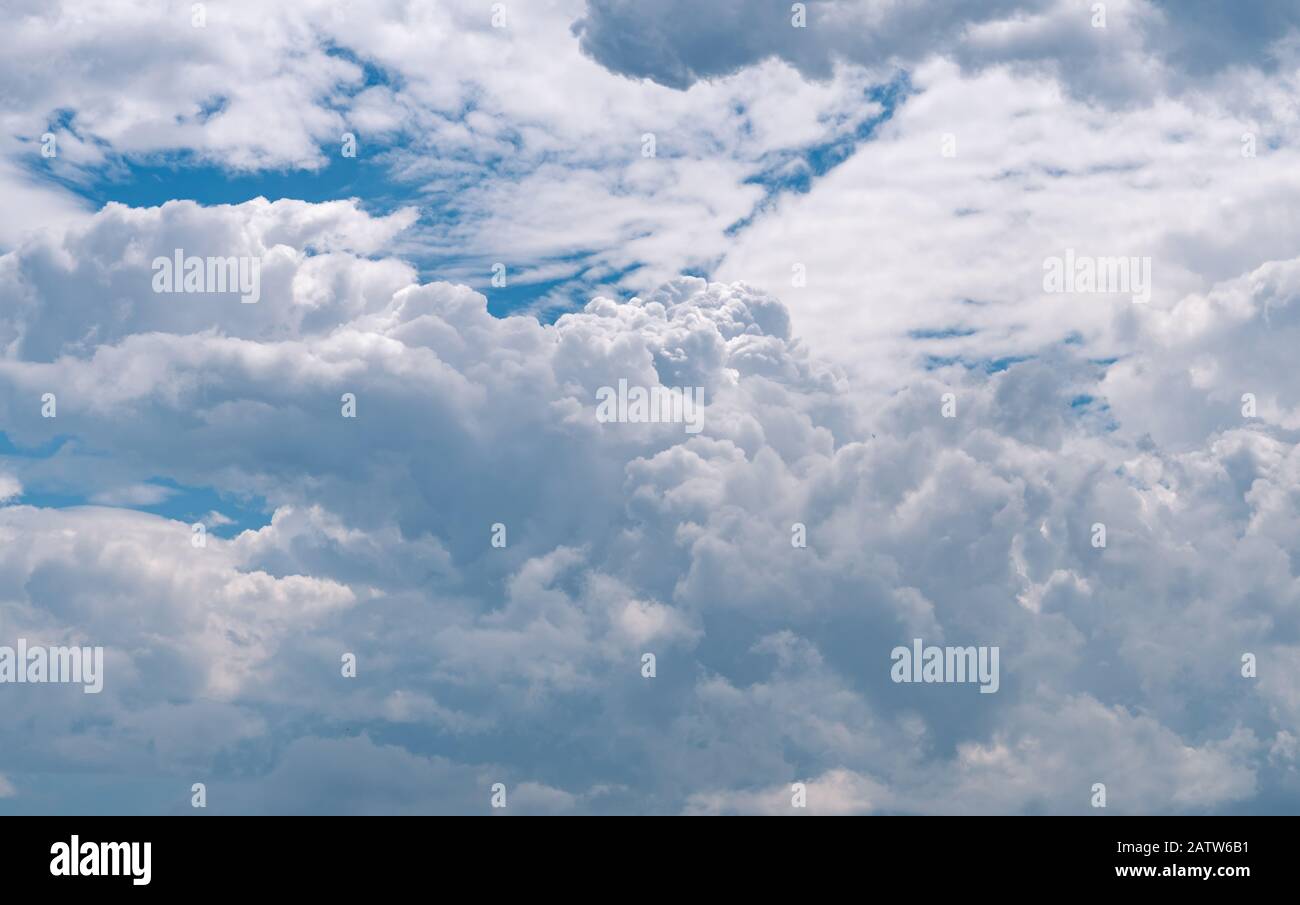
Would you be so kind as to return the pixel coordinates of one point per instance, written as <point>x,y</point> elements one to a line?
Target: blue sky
<point>840,238</point>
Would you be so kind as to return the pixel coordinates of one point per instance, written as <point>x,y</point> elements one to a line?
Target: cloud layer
<point>624,538</point>
<point>870,200</point>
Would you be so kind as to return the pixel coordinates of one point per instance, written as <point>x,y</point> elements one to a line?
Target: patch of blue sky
<point>165,496</point>
<point>796,170</point>
<point>987,365</point>
<point>536,297</point>
<point>548,299</point>
<point>943,333</point>
<point>184,175</point>
<point>43,451</point>
<point>179,503</point>
<point>820,158</point>
<point>196,504</point>
<point>371,74</point>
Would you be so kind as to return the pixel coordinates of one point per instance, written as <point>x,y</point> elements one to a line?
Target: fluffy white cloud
<point>522,664</point>
<point>623,538</point>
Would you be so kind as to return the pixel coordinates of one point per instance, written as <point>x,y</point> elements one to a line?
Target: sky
<point>470,219</point>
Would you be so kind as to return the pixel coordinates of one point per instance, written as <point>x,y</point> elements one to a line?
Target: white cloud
<point>626,538</point>
<point>901,240</point>
<point>10,487</point>
<point>1120,664</point>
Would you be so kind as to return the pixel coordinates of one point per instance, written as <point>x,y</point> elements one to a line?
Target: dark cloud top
<point>679,42</point>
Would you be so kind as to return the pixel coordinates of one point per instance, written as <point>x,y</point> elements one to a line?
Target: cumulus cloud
<point>1172,426</point>
<point>1223,360</point>
<point>772,660</point>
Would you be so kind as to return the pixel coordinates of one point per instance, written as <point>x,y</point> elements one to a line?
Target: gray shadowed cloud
<point>773,661</point>
<point>1143,46</point>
